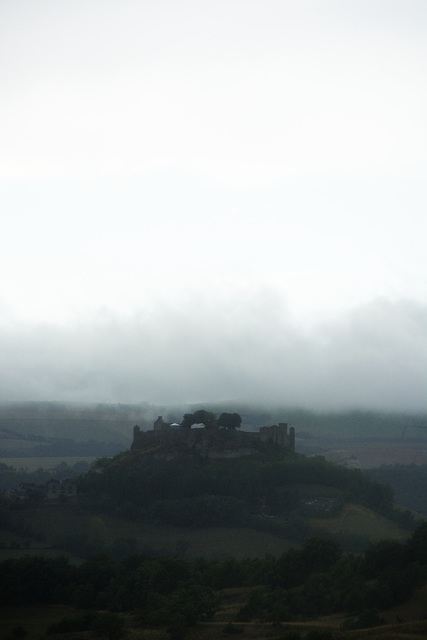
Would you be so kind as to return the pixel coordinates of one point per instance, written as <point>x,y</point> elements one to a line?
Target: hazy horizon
<point>369,360</point>
<point>206,202</point>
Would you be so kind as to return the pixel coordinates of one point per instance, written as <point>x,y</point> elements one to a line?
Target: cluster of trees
<point>408,483</point>
<point>159,591</point>
<point>13,522</point>
<point>10,477</point>
<point>316,579</point>
<point>252,480</point>
<point>319,579</point>
<point>209,419</point>
<point>192,492</point>
<point>238,492</point>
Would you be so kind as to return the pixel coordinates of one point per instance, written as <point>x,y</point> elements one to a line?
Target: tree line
<point>303,583</point>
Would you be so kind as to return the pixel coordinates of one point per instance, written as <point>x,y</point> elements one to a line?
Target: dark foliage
<point>229,421</point>
<point>408,483</point>
<point>199,492</point>
<point>315,579</point>
<point>71,624</point>
<point>201,416</point>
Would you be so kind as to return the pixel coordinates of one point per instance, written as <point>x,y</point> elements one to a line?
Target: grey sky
<point>206,201</point>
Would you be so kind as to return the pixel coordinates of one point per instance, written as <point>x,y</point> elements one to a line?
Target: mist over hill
<point>101,421</point>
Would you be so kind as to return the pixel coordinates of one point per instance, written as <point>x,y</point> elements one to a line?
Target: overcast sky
<point>205,201</point>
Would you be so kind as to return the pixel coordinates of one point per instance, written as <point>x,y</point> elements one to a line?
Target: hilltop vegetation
<point>275,490</point>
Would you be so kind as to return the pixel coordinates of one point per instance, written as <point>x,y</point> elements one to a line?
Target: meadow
<point>29,464</point>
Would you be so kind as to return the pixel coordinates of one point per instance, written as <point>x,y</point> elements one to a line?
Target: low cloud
<point>242,349</point>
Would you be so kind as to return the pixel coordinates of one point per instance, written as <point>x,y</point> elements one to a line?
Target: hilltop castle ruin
<point>171,440</point>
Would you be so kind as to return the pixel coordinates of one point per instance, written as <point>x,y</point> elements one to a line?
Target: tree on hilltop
<point>201,416</point>
<point>205,417</point>
<point>187,420</point>
<point>229,421</point>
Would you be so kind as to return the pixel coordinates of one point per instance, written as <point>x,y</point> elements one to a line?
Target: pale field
<point>47,463</point>
<point>215,542</point>
<point>370,457</point>
<point>356,518</point>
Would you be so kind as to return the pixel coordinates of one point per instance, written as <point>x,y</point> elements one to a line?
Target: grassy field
<point>217,542</point>
<point>356,518</point>
<point>47,463</point>
<point>213,542</point>
<point>369,457</point>
<point>401,623</point>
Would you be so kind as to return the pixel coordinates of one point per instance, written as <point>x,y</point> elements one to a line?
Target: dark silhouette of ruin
<point>171,440</point>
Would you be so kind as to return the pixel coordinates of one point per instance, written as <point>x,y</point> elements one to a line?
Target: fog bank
<point>246,349</point>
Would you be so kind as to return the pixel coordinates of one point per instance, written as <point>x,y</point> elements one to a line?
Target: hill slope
<point>274,490</point>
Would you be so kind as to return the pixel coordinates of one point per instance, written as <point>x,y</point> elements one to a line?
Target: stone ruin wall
<point>207,442</point>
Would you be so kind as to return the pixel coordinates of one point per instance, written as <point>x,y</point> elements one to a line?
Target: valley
<point>233,505</point>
